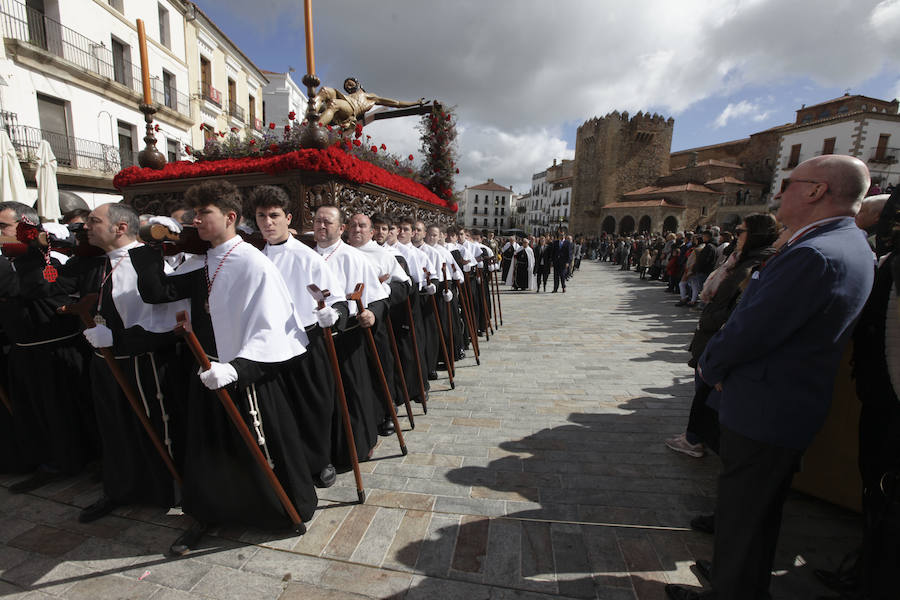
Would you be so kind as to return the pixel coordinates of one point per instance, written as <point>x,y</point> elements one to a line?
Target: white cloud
<point>741,109</point>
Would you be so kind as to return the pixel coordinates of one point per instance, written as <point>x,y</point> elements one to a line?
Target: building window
<point>704,211</point>
<point>881,148</point>
<point>476,198</point>
<point>169,90</point>
<point>121,54</point>
<point>173,151</point>
<point>117,4</point>
<point>496,211</point>
<point>496,200</point>
<point>828,146</point>
<point>53,117</point>
<point>794,160</point>
<point>485,222</point>
<point>495,222</point>
<point>503,210</point>
<point>164,27</point>
<point>251,101</point>
<point>126,143</point>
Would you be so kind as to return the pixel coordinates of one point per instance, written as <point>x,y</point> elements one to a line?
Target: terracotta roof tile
<point>644,204</point>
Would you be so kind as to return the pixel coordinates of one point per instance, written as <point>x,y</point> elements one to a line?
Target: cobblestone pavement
<point>542,474</point>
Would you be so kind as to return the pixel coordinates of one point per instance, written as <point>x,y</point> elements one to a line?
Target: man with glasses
<point>774,362</point>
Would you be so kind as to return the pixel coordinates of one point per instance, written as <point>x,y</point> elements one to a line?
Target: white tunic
<point>351,267</point>
<point>383,260</point>
<point>155,318</point>
<point>250,306</point>
<point>415,260</point>
<point>300,265</point>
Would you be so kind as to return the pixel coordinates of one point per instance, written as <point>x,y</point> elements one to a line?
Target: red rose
<point>448,117</point>
<point>396,163</point>
<point>287,128</point>
<point>383,147</point>
<point>330,128</point>
<point>357,143</point>
<point>457,171</point>
<point>410,157</point>
<point>187,149</point>
<point>374,148</point>
<point>252,142</point>
<point>156,127</point>
<point>221,134</point>
<point>234,130</point>
<point>271,125</point>
<point>291,115</point>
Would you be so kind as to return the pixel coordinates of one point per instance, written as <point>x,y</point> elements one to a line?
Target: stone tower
<point>613,155</point>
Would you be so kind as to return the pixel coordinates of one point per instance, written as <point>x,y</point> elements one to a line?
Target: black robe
<point>222,481</point>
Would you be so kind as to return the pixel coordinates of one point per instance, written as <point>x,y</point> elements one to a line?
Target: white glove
<point>99,336</point>
<point>57,230</point>
<point>327,317</point>
<point>430,289</point>
<point>218,376</point>
<point>448,296</point>
<point>170,223</point>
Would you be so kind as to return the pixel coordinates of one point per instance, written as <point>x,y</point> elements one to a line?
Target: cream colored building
<point>226,87</point>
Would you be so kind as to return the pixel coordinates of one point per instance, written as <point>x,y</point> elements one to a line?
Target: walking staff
<point>82,309</point>
<point>451,366</point>
<point>437,320</point>
<point>356,296</point>
<point>467,313</point>
<point>319,296</point>
<point>183,328</point>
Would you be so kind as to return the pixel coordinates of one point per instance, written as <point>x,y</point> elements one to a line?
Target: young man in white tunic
<point>434,237</point>
<point>310,373</point>
<point>243,316</point>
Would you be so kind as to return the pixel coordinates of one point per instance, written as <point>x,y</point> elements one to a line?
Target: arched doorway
<point>609,225</point>
<point>670,224</point>
<point>644,224</point>
<point>626,225</point>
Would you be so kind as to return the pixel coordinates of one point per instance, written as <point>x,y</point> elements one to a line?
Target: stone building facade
<point>613,155</point>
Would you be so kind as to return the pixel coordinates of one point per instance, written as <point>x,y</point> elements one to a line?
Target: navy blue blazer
<point>778,354</point>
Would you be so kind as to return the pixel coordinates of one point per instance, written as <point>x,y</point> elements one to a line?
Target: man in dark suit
<point>775,361</point>
<point>561,255</point>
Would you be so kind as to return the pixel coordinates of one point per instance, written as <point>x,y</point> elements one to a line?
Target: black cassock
<point>520,280</point>
<point>403,334</point>
<point>506,259</point>
<point>47,384</point>
<point>222,481</point>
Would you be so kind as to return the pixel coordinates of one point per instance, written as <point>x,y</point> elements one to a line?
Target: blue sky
<point>523,74</point>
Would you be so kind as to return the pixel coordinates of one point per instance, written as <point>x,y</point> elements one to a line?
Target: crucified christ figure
<point>343,109</point>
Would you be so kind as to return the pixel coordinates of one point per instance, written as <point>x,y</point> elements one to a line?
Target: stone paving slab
<point>543,474</point>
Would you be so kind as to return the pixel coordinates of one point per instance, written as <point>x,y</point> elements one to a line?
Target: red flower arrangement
<point>332,160</point>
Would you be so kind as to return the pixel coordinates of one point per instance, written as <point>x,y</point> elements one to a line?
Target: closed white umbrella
<point>12,182</point>
<point>48,192</point>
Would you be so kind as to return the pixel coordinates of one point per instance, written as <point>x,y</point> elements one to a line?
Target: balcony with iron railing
<point>210,94</point>
<point>70,152</point>
<point>887,156</point>
<point>25,24</point>
<point>235,111</point>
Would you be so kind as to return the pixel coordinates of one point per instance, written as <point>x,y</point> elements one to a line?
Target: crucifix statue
<point>344,108</point>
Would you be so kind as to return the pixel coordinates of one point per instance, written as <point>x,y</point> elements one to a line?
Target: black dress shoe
<point>386,428</point>
<point>40,478</point>
<point>704,569</point>
<point>432,375</point>
<point>683,592</point>
<point>704,523</point>
<point>100,508</point>
<point>460,355</point>
<point>188,540</point>
<point>326,478</point>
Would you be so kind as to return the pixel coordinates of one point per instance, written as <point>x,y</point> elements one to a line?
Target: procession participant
<point>140,337</point>
<point>49,419</point>
<point>507,252</point>
<point>350,267</point>
<point>408,236</point>
<point>310,373</point>
<point>485,264</point>
<point>434,238</point>
<point>437,276</point>
<point>415,260</point>
<point>524,278</point>
<point>397,284</point>
<point>242,314</point>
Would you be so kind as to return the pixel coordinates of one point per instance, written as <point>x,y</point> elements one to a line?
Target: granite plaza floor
<point>542,474</point>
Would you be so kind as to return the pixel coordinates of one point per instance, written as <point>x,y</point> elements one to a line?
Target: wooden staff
<point>499,306</point>
<point>451,366</point>
<point>412,331</point>
<point>398,364</point>
<point>82,309</point>
<point>495,290</point>
<point>437,320</point>
<point>470,300</point>
<point>183,328</point>
<point>467,317</point>
<point>356,296</point>
<point>4,399</point>
<point>319,296</point>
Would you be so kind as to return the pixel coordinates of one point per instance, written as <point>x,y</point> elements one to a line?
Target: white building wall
<point>282,95</point>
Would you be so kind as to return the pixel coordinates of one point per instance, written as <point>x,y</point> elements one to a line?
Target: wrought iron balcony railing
<point>31,26</point>
<point>70,152</point>
<point>235,111</point>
